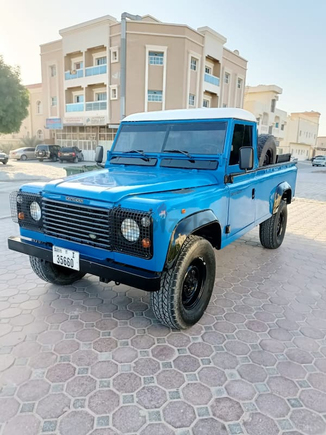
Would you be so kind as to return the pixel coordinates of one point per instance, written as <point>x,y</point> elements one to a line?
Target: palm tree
<point>30,142</point>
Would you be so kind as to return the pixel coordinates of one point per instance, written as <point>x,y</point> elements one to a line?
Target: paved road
<point>311,182</point>
<point>91,359</point>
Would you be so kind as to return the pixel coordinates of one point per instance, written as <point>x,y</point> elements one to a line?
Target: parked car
<point>3,157</point>
<point>44,151</point>
<point>22,154</point>
<point>319,161</point>
<point>176,185</point>
<point>71,154</point>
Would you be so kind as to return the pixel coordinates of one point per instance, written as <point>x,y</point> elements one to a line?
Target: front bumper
<point>111,270</point>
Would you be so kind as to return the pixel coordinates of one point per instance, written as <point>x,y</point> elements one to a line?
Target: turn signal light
<point>146,243</point>
<point>21,215</point>
<point>183,211</point>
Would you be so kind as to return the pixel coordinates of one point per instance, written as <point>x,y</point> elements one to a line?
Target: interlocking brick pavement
<point>91,359</point>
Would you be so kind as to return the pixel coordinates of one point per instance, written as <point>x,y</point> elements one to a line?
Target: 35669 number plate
<point>66,258</point>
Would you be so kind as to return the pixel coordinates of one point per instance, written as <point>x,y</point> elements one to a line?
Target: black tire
<point>187,287</point>
<point>5,162</point>
<point>54,274</point>
<point>61,161</point>
<point>54,158</point>
<point>266,149</point>
<point>272,231</point>
<point>41,160</point>
<point>76,160</point>
<point>23,157</point>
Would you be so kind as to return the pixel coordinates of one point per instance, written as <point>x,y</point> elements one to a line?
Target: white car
<point>319,161</point>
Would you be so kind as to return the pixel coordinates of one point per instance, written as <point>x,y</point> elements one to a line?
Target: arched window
<point>38,107</point>
<point>39,134</point>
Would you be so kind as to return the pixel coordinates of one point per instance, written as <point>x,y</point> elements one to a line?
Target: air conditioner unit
<point>73,71</point>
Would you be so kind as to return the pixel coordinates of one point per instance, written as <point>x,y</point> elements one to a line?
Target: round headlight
<point>35,210</point>
<point>19,199</point>
<point>145,221</point>
<point>130,230</point>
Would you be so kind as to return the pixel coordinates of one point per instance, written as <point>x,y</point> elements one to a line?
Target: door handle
<point>253,192</point>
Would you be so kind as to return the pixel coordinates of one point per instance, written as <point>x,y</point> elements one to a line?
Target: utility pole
<point>123,55</point>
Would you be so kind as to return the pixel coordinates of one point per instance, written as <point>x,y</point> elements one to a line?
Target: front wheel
<point>54,274</point>
<point>272,231</point>
<point>187,287</point>
<point>5,162</point>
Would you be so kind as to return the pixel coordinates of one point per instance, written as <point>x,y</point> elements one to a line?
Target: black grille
<point>78,223</point>
<point>96,227</point>
<point>20,204</point>
<point>118,215</point>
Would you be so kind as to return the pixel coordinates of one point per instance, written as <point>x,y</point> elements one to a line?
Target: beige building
<point>168,66</point>
<point>262,101</point>
<point>34,124</point>
<point>301,134</point>
<point>320,149</point>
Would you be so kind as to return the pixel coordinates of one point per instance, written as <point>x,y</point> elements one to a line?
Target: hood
<point>113,184</point>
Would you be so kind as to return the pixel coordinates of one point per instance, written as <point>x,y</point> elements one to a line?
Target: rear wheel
<point>76,160</point>
<point>23,157</point>
<point>272,231</point>
<point>54,158</point>
<point>187,287</point>
<point>54,274</point>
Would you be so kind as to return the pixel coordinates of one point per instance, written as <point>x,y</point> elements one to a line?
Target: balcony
<point>96,105</point>
<point>78,74</point>
<point>95,70</point>
<point>75,107</point>
<point>209,78</point>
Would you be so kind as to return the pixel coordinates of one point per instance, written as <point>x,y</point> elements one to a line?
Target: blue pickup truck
<point>175,185</point>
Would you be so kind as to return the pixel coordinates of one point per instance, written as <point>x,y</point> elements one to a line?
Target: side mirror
<point>99,154</point>
<point>246,160</point>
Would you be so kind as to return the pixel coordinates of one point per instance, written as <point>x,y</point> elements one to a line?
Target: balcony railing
<point>95,70</point>
<point>96,105</point>
<point>209,78</point>
<point>79,73</point>
<point>75,107</point>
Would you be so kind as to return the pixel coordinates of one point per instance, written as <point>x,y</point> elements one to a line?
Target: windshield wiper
<point>185,153</point>
<point>141,152</point>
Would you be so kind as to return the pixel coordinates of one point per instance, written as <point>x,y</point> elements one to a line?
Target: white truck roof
<point>169,115</point>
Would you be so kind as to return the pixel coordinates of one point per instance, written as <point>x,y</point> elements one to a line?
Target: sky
<point>284,41</point>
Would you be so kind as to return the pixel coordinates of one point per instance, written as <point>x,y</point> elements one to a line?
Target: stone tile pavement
<point>91,359</point>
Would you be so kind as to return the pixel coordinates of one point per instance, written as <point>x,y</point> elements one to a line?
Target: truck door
<point>242,188</point>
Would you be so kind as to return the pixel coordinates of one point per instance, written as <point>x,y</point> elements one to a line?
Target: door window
<point>242,137</point>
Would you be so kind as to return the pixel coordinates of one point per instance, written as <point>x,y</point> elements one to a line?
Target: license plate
<point>66,258</point>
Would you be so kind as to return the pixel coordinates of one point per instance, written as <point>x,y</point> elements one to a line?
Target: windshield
<point>198,137</point>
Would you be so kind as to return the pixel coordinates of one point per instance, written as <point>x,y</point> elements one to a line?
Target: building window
<point>191,100</point>
<point>226,78</point>
<point>113,92</point>
<point>114,56</point>
<point>39,134</point>
<point>53,70</point>
<point>206,103</point>
<point>100,60</point>
<point>277,125</point>
<point>38,107</point>
<point>193,64</point>
<point>102,96</point>
<point>208,70</point>
<point>273,105</point>
<point>155,58</point>
<point>53,101</point>
<point>154,96</point>
<point>282,127</point>
<point>78,65</point>
<point>239,83</point>
<point>79,98</point>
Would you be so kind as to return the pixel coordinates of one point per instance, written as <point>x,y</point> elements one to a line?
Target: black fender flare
<point>282,189</point>
<point>184,228</point>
